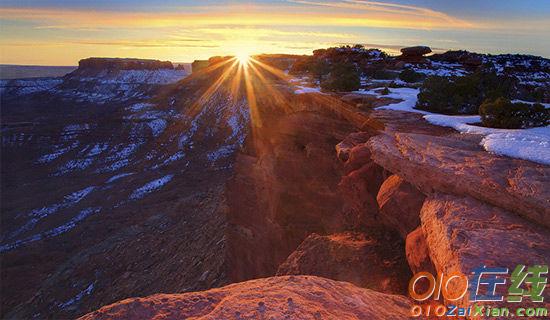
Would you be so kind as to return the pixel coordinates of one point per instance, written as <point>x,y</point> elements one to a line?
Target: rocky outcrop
<point>468,59</point>
<point>418,255</point>
<point>414,54</point>
<point>343,149</point>
<point>463,234</point>
<point>371,261</point>
<point>198,65</point>
<point>400,205</point>
<point>453,166</point>
<point>290,297</point>
<point>285,185</point>
<point>359,189</point>
<point>123,64</point>
<point>415,51</point>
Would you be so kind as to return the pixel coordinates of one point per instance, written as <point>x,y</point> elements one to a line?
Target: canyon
<point>142,192</point>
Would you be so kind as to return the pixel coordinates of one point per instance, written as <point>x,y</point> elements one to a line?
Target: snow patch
<point>119,176</point>
<point>150,187</point>
<point>303,89</point>
<point>530,144</point>
<point>86,292</point>
<point>157,126</point>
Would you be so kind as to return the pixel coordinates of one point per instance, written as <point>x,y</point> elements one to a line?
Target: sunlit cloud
<point>396,11</point>
<point>292,26</point>
<point>368,15</point>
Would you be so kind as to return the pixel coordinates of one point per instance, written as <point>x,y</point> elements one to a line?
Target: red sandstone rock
<point>453,166</point>
<point>400,205</point>
<point>358,157</point>
<point>372,262</point>
<point>274,200</point>
<point>343,149</point>
<point>463,234</point>
<point>418,255</point>
<point>359,189</point>
<point>290,297</point>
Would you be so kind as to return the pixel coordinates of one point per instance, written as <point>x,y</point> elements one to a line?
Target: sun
<point>243,58</point>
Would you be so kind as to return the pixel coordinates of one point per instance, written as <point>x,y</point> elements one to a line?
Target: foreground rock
<point>343,149</point>
<point>291,297</point>
<point>452,166</point>
<point>400,205</point>
<point>463,234</point>
<point>374,262</point>
<point>418,254</point>
<point>359,189</point>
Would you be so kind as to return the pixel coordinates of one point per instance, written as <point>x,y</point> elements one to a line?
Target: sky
<point>61,32</point>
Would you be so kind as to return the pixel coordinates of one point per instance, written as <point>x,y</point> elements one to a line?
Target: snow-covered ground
<point>530,144</point>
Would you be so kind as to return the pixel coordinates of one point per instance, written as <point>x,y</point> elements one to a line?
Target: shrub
<point>384,75</point>
<point>385,91</point>
<point>462,95</point>
<point>410,76</point>
<point>502,113</point>
<point>342,77</point>
<point>311,65</point>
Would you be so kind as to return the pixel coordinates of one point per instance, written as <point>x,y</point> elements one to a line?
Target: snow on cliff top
<point>530,144</point>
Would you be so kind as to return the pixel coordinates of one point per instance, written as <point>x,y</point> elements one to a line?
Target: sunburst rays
<point>261,84</point>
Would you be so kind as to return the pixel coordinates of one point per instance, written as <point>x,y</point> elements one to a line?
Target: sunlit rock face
<point>461,231</point>
<point>456,166</point>
<point>292,297</point>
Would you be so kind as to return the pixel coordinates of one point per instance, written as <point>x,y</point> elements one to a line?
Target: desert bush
<point>502,113</point>
<point>410,76</point>
<point>342,77</point>
<point>463,95</point>
<point>317,68</point>
<point>384,75</point>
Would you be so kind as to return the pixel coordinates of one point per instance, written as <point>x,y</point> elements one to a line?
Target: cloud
<point>363,14</point>
<point>421,16</point>
<point>151,43</point>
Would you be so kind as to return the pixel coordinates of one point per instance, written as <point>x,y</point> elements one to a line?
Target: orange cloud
<point>380,16</point>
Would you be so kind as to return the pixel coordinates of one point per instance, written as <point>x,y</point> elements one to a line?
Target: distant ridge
<point>8,71</point>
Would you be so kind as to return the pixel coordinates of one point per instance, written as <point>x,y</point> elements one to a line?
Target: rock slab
<point>289,297</point>
<point>463,233</point>
<point>400,205</point>
<point>453,166</point>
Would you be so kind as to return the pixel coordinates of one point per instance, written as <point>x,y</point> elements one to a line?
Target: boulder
<point>463,233</point>
<point>399,204</point>
<point>358,157</point>
<point>359,189</point>
<point>459,167</point>
<point>371,261</point>
<point>343,148</point>
<point>415,51</point>
<point>289,297</point>
<point>418,255</point>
